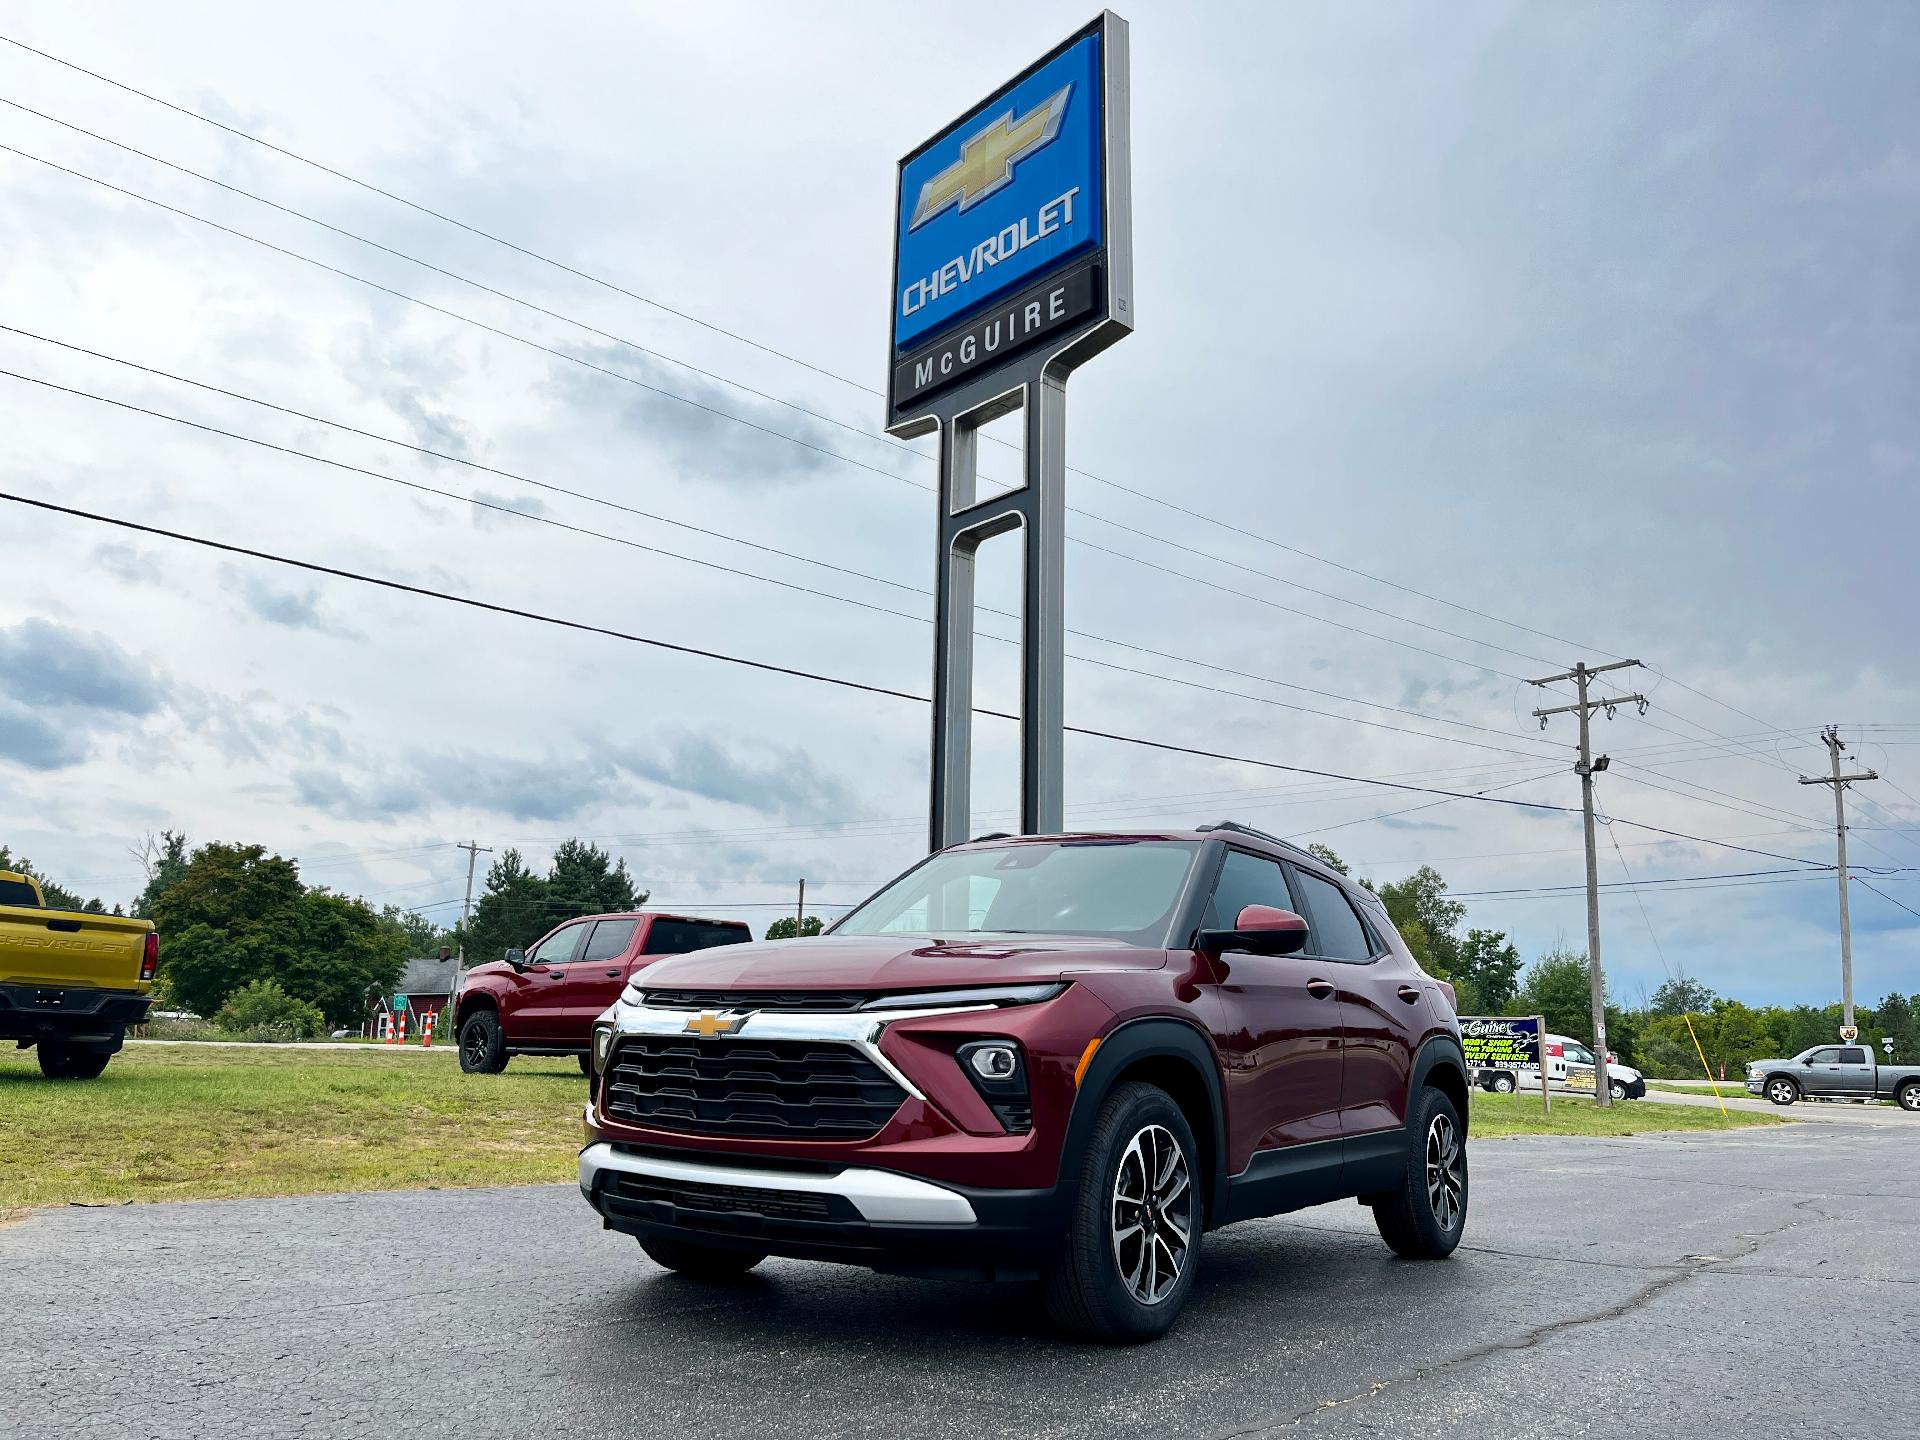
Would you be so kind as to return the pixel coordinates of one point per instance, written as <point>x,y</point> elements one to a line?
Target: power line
<point>619,289</point>
<point>1886,897</point>
<point>1571,892</point>
<point>556,523</point>
<point>841,682</point>
<point>824,450</point>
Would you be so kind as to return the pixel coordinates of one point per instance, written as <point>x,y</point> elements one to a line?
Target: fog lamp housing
<point>998,1071</point>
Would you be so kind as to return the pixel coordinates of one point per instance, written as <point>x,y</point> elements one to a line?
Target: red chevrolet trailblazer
<point>1062,1058</point>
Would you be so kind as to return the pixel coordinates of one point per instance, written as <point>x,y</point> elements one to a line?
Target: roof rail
<point>1237,828</point>
<point>990,835</point>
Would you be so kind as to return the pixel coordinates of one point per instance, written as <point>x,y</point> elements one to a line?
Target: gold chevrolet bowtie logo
<point>709,1023</point>
<point>987,159</point>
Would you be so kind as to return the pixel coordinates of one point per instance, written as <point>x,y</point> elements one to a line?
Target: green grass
<point>1728,1088</point>
<point>1498,1116</point>
<point>194,1122</point>
<point>202,1122</point>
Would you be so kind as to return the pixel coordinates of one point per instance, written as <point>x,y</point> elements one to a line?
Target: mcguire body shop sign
<point>1500,1042</point>
<point>1003,225</point>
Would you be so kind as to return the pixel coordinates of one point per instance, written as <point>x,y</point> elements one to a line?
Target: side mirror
<point>1260,929</point>
<point>517,959</point>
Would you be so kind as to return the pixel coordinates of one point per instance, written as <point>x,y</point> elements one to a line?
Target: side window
<point>1824,1057</point>
<point>678,937</point>
<point>610,939</point>
<point>1337,933</point>
<point>1247,880</point>
<point>1853,1057</point>
<point>558,948</point>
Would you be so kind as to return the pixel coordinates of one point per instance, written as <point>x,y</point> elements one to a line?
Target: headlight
<point>602,1043</point>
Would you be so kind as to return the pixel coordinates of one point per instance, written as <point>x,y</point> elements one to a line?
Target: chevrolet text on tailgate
<point>70,982</point>
<point>1062,1058</point>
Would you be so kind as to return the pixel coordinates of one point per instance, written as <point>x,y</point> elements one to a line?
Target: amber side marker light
<point>1086,1059</point>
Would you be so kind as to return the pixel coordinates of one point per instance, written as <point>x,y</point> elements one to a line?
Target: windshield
<point>1121,890</point>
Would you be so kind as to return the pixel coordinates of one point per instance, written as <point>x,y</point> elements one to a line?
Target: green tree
<point>422,936</point>
<point>1896,1017</point>
<point>512,911</point>
<point>1558,986</point>
<point>1421,899</point>
<point>1682,995</point>
<point>1489,967</point>
<point>584,881</point>
<point>785,929</point>
<point>239,914</point>
<point>164,861</point>
<point>1326,855</point>
<point>262,1004</point>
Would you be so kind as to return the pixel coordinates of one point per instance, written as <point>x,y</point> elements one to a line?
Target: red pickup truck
<point>544,1000</point>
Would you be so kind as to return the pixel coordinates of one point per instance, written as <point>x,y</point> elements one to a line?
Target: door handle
<point>613,974</point>
<point>1320,989</point>
<point>1409,994</point>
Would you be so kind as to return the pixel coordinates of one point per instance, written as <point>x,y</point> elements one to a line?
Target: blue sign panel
<point>1010,193</point>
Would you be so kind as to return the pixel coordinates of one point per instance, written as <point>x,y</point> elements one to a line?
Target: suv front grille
<point>766,1089</point>
<point>818,1002</point>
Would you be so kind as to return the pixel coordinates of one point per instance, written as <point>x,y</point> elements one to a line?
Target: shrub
<point>261,1005</point>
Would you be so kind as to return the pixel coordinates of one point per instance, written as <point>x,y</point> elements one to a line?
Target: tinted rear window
<point>610,939</point>
<point>677,937</point>
<point>17,892</point>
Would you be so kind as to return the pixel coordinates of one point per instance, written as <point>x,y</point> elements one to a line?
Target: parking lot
<point>1707,1284</point>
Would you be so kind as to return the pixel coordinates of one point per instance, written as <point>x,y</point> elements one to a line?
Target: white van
<point>1570,1067</point>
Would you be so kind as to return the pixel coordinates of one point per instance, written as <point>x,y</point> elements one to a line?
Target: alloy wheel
<point>1446,1172</point>
<point>1781,1092</point>
<point>1153,1214</point>
<point>475,1042</point>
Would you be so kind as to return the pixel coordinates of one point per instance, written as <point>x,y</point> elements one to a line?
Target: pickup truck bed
<point>70,982</point>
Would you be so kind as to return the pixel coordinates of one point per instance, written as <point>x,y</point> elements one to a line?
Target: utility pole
<point>1586,770</point>
<point>800,912</point>
<point>1839,782</point>
<point>474,851</point>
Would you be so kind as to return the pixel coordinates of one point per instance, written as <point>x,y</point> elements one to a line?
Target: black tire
<point>1907,1097</point>
<point>483,1044</point>
<point>1424,1218</point>
<point>62,1061</point>
<point>701,1262</point>
<point>1504,1084</point>
<point>1617,1089</point>
<point>1782,1090</point>
<point>586,1064</point>
<point>1107,1284</point>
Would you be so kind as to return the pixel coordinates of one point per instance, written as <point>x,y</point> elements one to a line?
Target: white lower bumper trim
<point>879,1195</point>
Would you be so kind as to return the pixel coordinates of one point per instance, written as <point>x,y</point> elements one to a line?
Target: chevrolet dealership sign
<point>1011,232</point>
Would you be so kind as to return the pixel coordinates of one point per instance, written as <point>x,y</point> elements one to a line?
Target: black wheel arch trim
<point>1435,1051</point>
<point>1147,1038</point>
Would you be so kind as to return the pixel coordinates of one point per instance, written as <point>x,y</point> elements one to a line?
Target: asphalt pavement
<point>1748,1283</point>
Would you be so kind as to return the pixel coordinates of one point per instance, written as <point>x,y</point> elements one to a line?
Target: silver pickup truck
<point>1835,1072</point>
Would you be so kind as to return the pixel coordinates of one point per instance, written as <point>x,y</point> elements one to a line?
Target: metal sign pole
<point>1540,1050</point>
<point>1012,266</point>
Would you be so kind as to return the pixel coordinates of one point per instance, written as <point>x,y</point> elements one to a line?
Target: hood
<point>893,962</point>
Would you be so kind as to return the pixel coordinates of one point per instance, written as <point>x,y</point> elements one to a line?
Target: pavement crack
<point>1678,1275</point>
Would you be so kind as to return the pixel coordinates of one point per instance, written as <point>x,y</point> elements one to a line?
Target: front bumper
<point>852,1215</point>
<point>1756,1084</point>
<point>77,1014</point>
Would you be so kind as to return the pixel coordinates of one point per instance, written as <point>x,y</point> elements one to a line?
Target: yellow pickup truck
<point>70,982</point>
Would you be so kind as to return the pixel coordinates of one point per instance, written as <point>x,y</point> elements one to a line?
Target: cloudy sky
<point>1476,339</point>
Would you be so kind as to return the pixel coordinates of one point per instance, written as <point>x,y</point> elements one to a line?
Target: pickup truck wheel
<point>586,1064</point>
<point>1782,1091</point>
<point>1133,1234</point>
<point>483,1044</point>
<point>61,1061</point>
<point>1424,1218</point>
<point>702,1262</point>
<point>1503,1084</point>
<point>1907,1097</point>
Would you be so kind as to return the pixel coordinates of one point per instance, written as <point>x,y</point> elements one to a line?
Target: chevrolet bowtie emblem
<point>709,1023</point>
<point>987,159</point>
